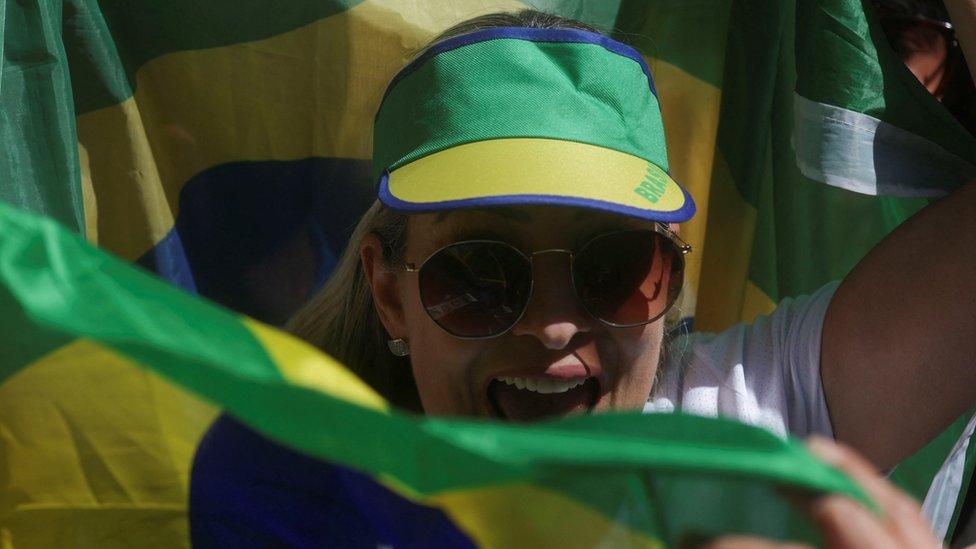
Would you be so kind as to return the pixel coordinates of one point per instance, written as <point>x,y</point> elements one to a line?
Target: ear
<point>385,285</point>
<point>675,228</point>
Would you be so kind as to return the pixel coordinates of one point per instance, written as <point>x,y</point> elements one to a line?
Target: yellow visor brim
<point>524,171</point>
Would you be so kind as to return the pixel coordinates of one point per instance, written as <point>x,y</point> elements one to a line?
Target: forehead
<point>527,226</point>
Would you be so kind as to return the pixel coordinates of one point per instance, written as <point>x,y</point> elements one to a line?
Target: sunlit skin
<point>556,337</point>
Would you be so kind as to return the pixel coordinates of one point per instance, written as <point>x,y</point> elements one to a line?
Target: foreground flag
<point>617,479</point>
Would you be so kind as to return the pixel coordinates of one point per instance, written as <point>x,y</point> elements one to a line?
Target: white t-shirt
<point>765,374</point>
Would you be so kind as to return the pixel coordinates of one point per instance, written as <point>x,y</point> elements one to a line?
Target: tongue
<point>517,404</point>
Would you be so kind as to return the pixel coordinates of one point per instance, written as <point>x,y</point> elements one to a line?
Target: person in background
<point>920,33</point>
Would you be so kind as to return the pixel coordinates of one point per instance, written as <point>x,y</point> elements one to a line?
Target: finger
<point>901,514</point>
<point>844,524</point>
<point>750,542</point>
<point>801,500</point>
<point>858,468</point>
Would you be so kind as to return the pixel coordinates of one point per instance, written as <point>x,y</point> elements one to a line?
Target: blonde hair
<point>341,318</point>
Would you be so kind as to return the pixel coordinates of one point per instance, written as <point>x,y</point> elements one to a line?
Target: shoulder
<point>765,373</point>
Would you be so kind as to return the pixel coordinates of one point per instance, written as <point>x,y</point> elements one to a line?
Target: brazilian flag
<point>619,480</point>
<point>224,146</point>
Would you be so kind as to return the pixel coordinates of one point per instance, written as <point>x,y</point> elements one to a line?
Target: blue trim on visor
<point>528,34</point>
<point>684,213</point>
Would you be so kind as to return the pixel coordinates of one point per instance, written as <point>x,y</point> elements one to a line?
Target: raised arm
<point>898,356</point>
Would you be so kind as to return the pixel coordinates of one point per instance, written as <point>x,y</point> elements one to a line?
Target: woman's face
<point>554,345</point>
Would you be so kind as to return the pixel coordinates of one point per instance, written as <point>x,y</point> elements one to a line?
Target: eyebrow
<point>508,213</point>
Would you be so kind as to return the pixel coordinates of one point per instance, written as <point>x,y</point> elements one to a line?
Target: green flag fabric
<point>634,480</point>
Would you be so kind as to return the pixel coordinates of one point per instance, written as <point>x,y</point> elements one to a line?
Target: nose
<point>554,315</point>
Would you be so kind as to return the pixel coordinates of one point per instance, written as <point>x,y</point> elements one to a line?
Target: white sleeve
<point>766,374</point>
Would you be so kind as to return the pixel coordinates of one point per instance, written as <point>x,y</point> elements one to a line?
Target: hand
<point>843,522</point>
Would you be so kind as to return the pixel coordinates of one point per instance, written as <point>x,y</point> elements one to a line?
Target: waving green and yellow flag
<point>624,480</point>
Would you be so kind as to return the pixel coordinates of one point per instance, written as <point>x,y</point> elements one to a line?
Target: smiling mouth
<point>535,398</point>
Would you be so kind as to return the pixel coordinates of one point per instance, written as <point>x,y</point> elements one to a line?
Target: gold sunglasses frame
<point>680,245</point>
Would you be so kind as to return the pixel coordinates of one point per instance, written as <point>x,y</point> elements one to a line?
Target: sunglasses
<point>479,289</point>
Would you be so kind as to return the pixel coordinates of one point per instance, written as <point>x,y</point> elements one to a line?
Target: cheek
<point>441,363</point>
<point>631,356</point>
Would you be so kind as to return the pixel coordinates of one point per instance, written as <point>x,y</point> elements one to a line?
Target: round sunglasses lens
<point>475,289</point>
<point>629,278</point>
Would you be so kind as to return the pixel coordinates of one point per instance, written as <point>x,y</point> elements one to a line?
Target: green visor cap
<point>518,116</point>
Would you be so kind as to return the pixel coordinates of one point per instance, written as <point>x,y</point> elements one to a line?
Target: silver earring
<point>398,347</point>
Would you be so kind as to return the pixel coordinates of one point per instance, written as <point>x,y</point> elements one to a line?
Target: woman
<point>522,257</point>
<point>525,235</point>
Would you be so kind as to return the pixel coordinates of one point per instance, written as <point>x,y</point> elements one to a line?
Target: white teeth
<point>542,385</point>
